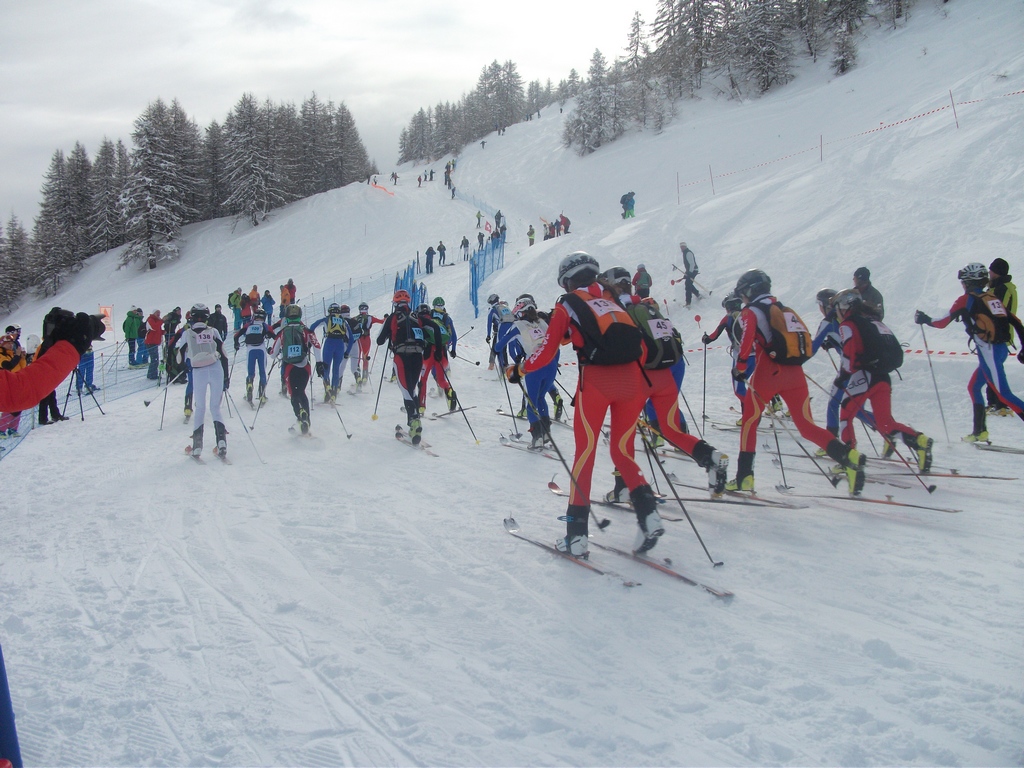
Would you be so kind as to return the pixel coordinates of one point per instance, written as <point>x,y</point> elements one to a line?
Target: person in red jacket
<point>771,378</point>
<point>154,338</point>
<point>66,337</point>
<point>611,379</point>
<point>863,379</point>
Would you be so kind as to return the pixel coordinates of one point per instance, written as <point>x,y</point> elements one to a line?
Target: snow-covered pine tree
<point>105,222</point>
<point>156,199</point>
<point>254,188</point>
<point>212,173</point>
<point>842,19</point>
<point>54,235</point>
<point>15,252</point>
<point>80,198</point>
<point>351,162</point>
<point>762,48</point>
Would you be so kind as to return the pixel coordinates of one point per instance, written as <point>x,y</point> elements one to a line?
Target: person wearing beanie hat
<point>870,295</point>
<point>1000,283</point>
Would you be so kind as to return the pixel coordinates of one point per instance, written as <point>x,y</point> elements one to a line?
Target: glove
<point>236,346</point>
<point>453,352</point>
<point>320,369</point>
<point>514,374</point>
<point>830,343</point>
<point>921,318</point>
<point>1020,357</point>
<point>79,330</point>
<point>739,375</point>
<point>227,383</point>
<point>705,339</point>
<point>487,339</point>
<point>840,381</point>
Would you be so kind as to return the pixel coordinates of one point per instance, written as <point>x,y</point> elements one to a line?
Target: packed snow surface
<point>351,601</point>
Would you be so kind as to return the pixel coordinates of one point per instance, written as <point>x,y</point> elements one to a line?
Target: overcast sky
<point>79,70</point>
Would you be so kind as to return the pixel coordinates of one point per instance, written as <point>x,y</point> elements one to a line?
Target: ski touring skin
<point>888,500</point>
<point>513,528</point>
<point>664,565</point>
<point>523,447</point>
<point>895,464</point>
<point>747,498</point>
<point>622,506</point>
<point>892,480</point>
<point>559,422</point>
<point>441,415</point>
<point>403,437</point>
<point>997,448</point>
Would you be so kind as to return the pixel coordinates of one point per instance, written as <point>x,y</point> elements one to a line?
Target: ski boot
<point>575,543</point>
<point>744,473</point>
<point>334,394</point>
<point>222,439</point>
<point>263,394</point>
<point>888,448</point>
<point>650,527</point>
<point>615,494</point>
<point>197,441</point>
<point>851,463</point>
<point>537,433</point>
<point>304,421</point>
<point>921,445</point>
<point>559,408</point>
<point>980,432</point>
<point>453,401</point>
<point>415,431</point>
<point>248,391</point>
<point>716,463</point>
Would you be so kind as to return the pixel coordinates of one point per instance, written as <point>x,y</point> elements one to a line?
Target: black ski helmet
<point>753,283</point>
<point>577,269</point>
<point>493,299</point>
<point>293,312</point>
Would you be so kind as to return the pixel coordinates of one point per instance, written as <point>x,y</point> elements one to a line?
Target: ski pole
<point>601,523</point>
<point>703,386</point>
<point>459,403</point>
<point>260,406</point>
<point>913,471</point>
<point>244,429</point>
<point>935,383</point>
<point>511,410</point>
<point>778,450</point>
<point>380,386</point>
<point>165,386</point>
<point>648,447</point>
<point>347,433</point>
<point>833,481</point>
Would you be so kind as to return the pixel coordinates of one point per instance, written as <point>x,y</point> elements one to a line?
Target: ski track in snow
<point>354,602</point>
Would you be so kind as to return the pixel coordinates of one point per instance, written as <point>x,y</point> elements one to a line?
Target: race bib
<point>661,328</point>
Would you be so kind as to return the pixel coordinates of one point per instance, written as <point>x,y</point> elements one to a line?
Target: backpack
<point>663,342</point>
<point>988,318</point>
<point>407,334</point>
<point>790,341</point>
<point>255,332</point>
<point>293,344</point>
<point>610,337</point>
<point>644,279</point>
<point>882,350</point>
<point>504,313</point>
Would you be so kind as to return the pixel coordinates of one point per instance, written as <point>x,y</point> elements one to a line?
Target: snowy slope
<point>353,601</point>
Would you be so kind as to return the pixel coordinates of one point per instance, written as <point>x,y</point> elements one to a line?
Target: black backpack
<point>664,344</point>
<point>610,336</point>
<point>882,350</point>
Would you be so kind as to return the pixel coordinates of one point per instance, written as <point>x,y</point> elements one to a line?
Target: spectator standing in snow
<point>874,305</point>
<point>429,253</point>
<point>441,251</point>
<point>531,233</point>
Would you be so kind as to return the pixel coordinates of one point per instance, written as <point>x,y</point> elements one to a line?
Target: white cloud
<point>84,71</point>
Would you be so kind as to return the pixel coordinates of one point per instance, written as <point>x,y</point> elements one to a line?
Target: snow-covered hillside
<point>352,601</point>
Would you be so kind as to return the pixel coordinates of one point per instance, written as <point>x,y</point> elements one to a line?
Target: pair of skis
<point>661,565</point>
